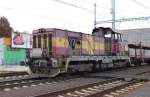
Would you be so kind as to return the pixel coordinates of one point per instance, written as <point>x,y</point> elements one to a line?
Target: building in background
<point>21,40</point>
<point>13,50</point>
<point>137,36</point>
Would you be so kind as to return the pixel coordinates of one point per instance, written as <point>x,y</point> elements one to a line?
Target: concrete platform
<point>15,78</point>
<point>12,68</point>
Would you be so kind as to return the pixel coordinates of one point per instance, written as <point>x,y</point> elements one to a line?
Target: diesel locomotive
<point>57,51</point>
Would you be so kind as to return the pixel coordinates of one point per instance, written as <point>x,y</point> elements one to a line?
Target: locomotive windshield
<point>108,34</point>
<point>43,41</point>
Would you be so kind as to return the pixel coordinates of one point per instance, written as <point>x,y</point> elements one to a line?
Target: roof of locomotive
<point>48,30</point>
<point>104,30</point>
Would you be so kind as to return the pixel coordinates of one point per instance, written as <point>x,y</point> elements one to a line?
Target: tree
<point>5,29</point>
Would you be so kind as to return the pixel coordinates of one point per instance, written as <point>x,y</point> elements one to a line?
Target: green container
<point>13,56</point>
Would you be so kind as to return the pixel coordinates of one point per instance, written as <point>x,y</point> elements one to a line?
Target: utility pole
<point>113,14</point>
<point>95,15</point>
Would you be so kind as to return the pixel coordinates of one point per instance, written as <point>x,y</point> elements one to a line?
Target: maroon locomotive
<point>58,51</point>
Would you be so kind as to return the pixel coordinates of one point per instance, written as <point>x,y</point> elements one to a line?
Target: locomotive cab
<point>41,52</point>
<point>112,40</point>
<point>113,47</point>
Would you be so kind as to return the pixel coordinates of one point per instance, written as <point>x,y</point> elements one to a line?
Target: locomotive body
<point>58,51</point>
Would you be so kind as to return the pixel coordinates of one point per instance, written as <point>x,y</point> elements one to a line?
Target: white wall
<point>1,50</point>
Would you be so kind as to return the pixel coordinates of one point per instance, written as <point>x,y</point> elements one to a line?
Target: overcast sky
<point>26,15</point>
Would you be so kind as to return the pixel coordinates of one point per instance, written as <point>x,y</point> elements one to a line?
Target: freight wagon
<point>139,54</point>
<point>57,51</point>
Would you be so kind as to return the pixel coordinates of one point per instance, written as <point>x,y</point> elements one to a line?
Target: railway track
<point>7,86</point>
<point>106,89</point>
<point>143,73</point>
<point>18,84</point>
<point>132,70</point>
<point>141,70</point>
<point>109,88</point>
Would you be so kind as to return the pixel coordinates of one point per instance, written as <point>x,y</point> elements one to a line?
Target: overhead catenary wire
<point>38,15</point>
<point>61,1</point>
<point>31,13</point>
<point>124,19</point>
<point>88,2</point>
<point>123,12</point>
<point>70,4</point>
<point>99,6</point>
<point>99,14</point>
<point>139,3</point>
<point>76,6</point>
<point>102,8</point>
<point>41,8</point>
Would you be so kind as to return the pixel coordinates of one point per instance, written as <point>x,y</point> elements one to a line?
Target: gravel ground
<point>134,70</point>
<point>143,91</point>
<point>130,71</point>
<point>45,88</point>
